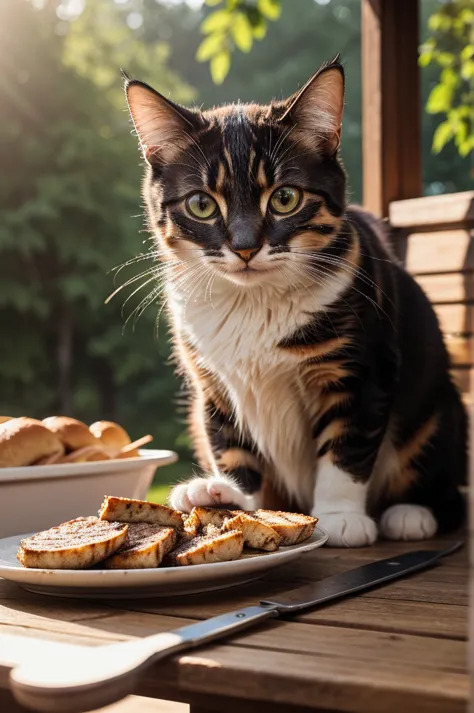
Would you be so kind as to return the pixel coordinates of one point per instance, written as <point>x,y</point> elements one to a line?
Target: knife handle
<point>74,678</point>
<point>356,580</point>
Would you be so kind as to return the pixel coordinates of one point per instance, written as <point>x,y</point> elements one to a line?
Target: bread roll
<point>4,419</point>
<point>111,434</point>
<point>24,441</point>
<point>73,433</point>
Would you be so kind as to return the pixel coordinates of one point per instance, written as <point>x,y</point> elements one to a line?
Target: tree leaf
<point>445,59</point>
<point>218,20</point>
<point>213,3</point>
<point>466,146</point>
<point>210,46</point>
<point>241,31</point>
<point>443,134</point>
<point>220,65</point>
<point>467,70</point>
<point>270,8</point>
<point>425,58</point>
<point>439,99</point>
<point>467,52</point>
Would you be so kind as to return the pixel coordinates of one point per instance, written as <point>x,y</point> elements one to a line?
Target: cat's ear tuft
<point>316,109</point>
<point>162,126</point>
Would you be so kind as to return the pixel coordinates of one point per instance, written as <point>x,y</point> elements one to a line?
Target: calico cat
<point>314,359</point>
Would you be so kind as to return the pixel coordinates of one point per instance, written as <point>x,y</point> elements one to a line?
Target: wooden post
<point>391,111</point>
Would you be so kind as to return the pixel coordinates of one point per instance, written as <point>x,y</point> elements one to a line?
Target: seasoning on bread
<point>77,544</point>
<point>146,546</point>
<point>292,528</point>
<point>25,441</point>
<point>208,549</point>
<point>257,535</point>
<point>129,510</point>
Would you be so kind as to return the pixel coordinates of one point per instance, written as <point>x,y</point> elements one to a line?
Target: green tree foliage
<point>451,48</point>
<point>236,23</point>
<point>69,192</point>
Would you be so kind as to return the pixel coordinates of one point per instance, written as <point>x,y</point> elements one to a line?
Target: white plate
<point>159,582</point>
<point>38,497</point>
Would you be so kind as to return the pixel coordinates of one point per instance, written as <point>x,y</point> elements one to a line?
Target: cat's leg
<point>340,505</point>
<point>433,461</point>
<point>235,472</point>
<point>348,434</point>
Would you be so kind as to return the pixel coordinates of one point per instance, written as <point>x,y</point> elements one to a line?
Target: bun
<point>4,419</point>
<point>73,433</point>
<point>24,441</point>
<point>110,434</point>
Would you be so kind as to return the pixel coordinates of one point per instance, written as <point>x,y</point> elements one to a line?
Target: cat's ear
<point>162,126</point>
<point>316,109</point>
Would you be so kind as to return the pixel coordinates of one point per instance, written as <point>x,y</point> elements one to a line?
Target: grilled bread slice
<point>146,546</point>
<point>128,510</point>
<point>257,535</point>
<point>292,528</point>
<point>76,544</point>
<point>207,549</point>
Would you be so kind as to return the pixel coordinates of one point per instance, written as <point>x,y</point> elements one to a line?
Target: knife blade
<point>83,679</point>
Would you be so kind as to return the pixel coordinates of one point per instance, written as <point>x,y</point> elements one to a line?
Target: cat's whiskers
<point>316,263</point>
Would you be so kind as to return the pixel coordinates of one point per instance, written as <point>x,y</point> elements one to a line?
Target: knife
<point>82,679</point>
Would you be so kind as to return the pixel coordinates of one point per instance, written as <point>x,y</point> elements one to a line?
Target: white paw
<point>348,529</point>
<point>408,522</point>
<point>209,492</point>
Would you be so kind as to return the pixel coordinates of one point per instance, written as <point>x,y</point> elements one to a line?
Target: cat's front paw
<point>213,491</point>
<point>408,522</point>
<point>348,529</point>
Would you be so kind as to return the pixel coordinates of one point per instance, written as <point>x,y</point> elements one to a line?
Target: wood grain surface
<point>401,646</point>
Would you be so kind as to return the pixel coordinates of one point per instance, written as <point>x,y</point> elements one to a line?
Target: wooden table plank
<point>357,678</point>
<point>400,646</point>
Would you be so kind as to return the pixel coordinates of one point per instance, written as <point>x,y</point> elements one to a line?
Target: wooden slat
<point>340,669</point>
<point>455,287</point>
<point>391,119</point>
<point>464,380</point>
<point>456,318</point>
<point>442,251</point>
<point>446,209</point>
<point>461,350</point>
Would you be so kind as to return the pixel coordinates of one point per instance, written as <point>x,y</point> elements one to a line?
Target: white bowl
<point>38,497</point>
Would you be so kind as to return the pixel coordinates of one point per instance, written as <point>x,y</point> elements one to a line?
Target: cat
<point>314,359</point>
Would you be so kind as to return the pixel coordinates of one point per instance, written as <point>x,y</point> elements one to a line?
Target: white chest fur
<point>236,335</point>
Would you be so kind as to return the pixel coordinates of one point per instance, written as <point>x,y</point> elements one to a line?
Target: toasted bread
<point>146,546</point>
<point>292,528</point>
<point>76,544</point>
<point>129,510</point>
<point>207,549</point>
<point>257,535</point>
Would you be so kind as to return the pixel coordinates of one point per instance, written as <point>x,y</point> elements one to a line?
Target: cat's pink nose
<point>246,254</point>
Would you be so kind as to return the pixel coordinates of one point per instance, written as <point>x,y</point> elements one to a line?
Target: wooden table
<point>398,649</point>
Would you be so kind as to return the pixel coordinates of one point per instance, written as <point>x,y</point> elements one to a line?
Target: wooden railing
<point>435,238</point>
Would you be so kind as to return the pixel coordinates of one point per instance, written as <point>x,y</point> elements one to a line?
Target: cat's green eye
<point>285,200</point>
<point>201,205</point>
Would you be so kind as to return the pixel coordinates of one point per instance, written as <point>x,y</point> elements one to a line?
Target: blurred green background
<point>70,207</point>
